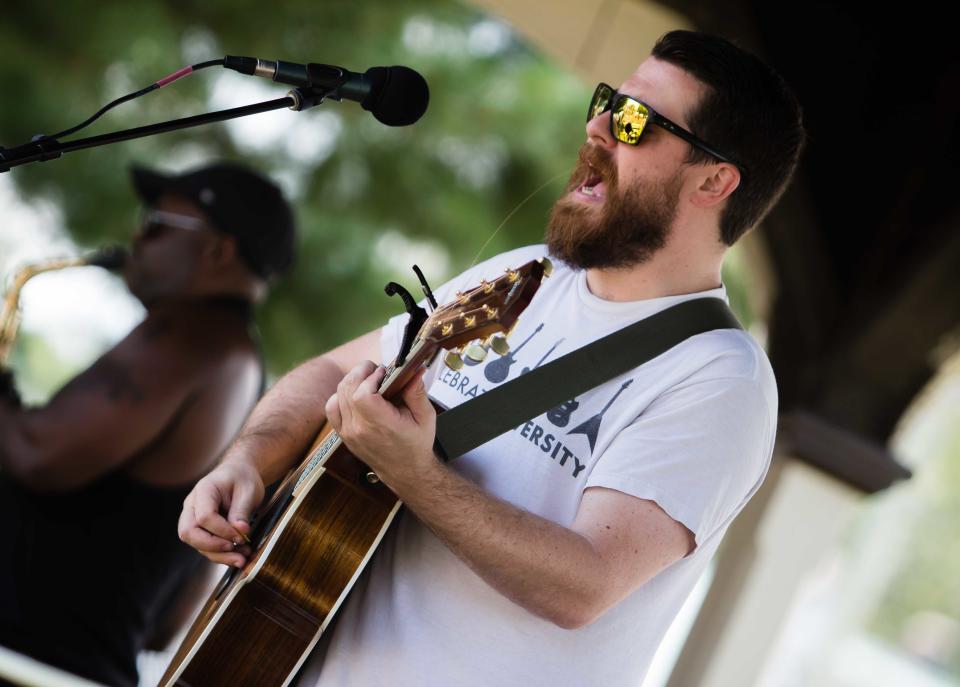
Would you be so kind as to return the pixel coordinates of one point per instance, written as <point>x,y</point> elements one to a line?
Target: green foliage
<point>929,579</point>
<point>736,278</point>
<point>47,370</point>
<point>487,141</point>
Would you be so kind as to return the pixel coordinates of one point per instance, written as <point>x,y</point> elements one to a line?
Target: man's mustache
<point>593,161</point>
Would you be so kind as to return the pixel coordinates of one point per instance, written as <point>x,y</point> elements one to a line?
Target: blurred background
<point>845,570</point>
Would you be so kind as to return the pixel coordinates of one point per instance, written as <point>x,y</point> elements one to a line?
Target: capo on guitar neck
<point>417,314</point>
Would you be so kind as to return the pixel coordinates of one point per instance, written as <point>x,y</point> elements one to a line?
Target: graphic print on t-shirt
<point>545,355</point>
<point>560,416</point>
<point>498,370</point>
<point>591,427</point>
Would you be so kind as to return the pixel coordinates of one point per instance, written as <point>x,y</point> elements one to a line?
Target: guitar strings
<point>513,212</point>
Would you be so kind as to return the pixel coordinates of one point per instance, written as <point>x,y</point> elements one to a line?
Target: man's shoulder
<point>733,356</point>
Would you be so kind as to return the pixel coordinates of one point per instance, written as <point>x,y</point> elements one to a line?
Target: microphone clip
<point>306,97</point>
<point>326,81</point>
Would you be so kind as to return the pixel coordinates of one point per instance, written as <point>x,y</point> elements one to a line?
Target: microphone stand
<point>43,149</point>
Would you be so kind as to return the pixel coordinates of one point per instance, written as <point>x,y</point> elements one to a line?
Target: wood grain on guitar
<point>316,534</point>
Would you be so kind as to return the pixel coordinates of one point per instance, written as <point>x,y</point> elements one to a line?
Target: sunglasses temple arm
<point>693,140</point>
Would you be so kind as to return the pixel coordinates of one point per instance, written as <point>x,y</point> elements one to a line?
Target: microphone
<point>396,96</point>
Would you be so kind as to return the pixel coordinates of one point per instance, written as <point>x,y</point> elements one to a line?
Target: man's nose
<point>598,131</point>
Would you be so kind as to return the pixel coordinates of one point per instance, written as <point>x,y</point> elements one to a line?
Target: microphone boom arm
<point>43,149</point>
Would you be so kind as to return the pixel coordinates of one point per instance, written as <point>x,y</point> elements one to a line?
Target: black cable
<point>130,96</point>
<point>102,110</point>
<point>208,63</point>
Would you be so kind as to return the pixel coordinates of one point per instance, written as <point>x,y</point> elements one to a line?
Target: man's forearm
<point>548,569</point>
<point>287,419</point>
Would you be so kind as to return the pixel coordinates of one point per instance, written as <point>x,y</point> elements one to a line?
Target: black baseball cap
<point>237,201</point>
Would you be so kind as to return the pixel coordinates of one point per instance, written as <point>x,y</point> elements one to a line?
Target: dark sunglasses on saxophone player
<point>629,118</point>
<point>155,222</point>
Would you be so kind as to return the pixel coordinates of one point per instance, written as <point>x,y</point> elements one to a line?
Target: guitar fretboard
<point>318,455</point>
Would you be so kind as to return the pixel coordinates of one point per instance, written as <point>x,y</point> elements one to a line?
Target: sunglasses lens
<point>629,119</point>
<point>599,102</point>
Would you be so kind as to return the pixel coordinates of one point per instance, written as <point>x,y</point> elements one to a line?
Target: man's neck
<point>198,300</point>
<point>661,276</point>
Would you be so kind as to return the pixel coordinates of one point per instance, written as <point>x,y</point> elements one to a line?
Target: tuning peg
<point>453,360</point>
<point>547,266</point>
<point>490,312</point>
<point>476,352</point>
<point>499,344</point>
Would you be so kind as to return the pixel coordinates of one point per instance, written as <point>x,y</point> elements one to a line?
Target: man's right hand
<point>216,514</point>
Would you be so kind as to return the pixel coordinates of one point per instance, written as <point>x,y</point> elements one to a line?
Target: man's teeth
<point>588,190</point>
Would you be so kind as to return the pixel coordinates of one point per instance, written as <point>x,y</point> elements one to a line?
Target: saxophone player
<point>112,455</point>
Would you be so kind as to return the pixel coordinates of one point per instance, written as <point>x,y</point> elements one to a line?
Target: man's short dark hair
<point>749,112</point>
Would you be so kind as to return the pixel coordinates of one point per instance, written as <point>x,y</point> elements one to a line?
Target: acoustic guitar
<point>320,528</point>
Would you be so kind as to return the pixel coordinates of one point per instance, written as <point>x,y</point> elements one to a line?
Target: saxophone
<point>111,258</point>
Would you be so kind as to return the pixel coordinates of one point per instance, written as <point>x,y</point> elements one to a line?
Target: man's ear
<point>722,180</point>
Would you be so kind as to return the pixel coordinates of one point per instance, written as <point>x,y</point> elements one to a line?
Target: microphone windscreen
<point>398,95</point>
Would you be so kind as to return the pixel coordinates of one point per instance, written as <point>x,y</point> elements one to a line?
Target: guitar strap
<point>471,424</point>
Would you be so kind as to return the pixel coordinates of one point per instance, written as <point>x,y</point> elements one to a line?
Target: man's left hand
<point>396,441</point>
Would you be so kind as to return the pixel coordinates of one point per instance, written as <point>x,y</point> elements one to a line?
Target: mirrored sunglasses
<point>629,118</point>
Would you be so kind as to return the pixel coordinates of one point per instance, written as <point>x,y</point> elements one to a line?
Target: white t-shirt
<point>692,430</point>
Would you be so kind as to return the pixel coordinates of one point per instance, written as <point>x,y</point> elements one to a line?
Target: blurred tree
<point>928,580</point>
<point>502,122</point>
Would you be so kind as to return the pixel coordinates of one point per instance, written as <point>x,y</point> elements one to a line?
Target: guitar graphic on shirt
<point>591,427</point>
<point>540,362</point>
<point>560,415</point>
<point>498,370</point>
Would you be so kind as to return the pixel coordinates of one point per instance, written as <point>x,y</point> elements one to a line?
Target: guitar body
<point>268,617</point>
<point>323,524</point>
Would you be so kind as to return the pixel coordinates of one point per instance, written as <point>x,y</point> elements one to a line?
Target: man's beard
<point>632,225</point>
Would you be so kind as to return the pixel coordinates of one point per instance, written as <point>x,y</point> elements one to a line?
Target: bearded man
<point>560,552</point>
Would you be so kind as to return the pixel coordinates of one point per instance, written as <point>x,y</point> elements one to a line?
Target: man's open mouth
<point>593,186</point>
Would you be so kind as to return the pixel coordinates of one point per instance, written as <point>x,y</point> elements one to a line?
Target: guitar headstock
<point>486,310</point>
<point>491,307</point>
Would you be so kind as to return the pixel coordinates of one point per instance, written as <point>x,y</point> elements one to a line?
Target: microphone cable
<point>180,73</point>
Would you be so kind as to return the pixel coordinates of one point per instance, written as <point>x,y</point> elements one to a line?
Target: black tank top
<point>85,574</point>
<point>88,571</point>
